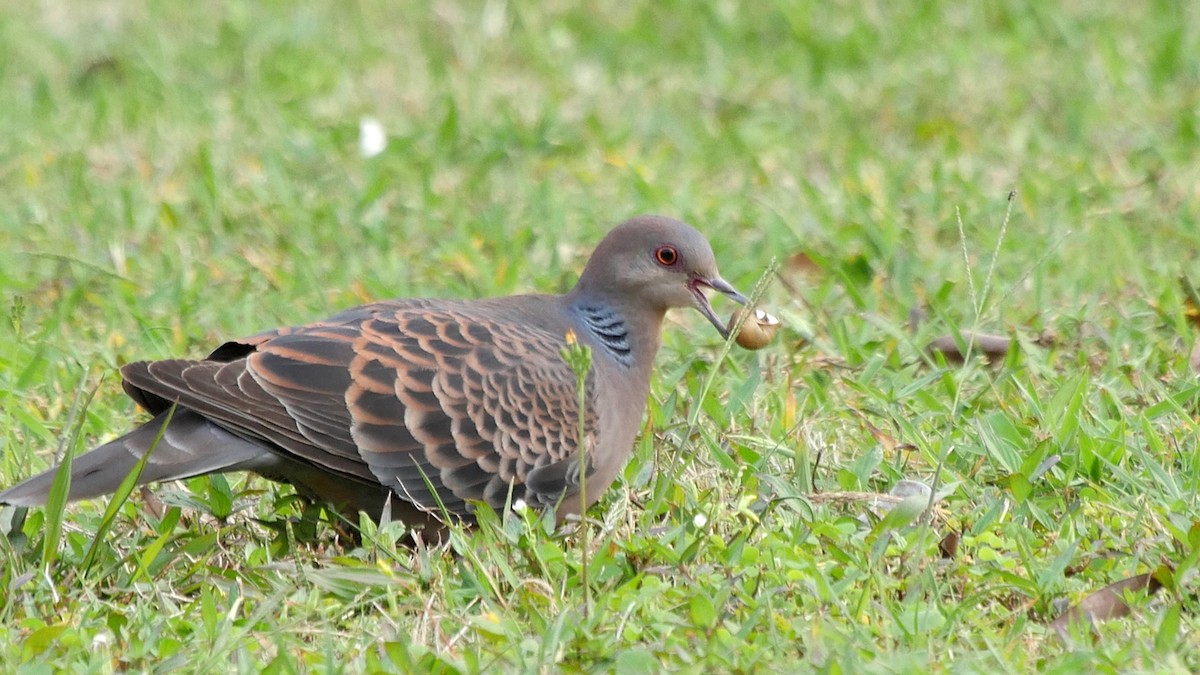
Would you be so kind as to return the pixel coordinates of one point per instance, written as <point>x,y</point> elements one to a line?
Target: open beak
<point>718,284</point>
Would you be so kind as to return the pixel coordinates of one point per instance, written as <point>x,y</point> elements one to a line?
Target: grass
<point>173,174</point>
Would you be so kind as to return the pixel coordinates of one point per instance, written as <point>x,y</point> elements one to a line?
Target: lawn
<point>173,174</point>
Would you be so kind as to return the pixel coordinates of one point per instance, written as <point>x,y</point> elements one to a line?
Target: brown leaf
<point>1047,338</point>
<point>948,546</point>
<point>797,268</point>
<point>889,443</point>
<point>801,263</point>
<point>1108,602</point>
<point>152,503</point>
<point>1191,300</point>
<point>991,346</point>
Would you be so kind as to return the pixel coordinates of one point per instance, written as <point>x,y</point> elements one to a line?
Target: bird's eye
<point>666,255</point>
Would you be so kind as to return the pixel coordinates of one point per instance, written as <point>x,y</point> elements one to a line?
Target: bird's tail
<point>190,446</point>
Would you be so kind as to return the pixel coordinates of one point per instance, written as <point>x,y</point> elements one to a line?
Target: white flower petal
<point>372,139</point>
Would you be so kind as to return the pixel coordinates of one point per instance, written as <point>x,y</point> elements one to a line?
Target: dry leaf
<point>991,346</point>
<point>152,503</point>
<point>841,497</point>
<point>801,263</point>
<point>1108,602</point>
<point>948,546</point>
<point>1191,300</point>
<point>1047,338</point>
<point>889,443</point>
<point>795,269</point>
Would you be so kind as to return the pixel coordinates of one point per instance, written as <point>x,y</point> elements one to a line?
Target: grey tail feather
<point>190,446</point>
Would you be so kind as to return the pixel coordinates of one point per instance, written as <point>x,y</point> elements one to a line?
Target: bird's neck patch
<point>610,330</point>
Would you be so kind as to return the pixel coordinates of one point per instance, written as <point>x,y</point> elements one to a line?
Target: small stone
<point>910,488</point>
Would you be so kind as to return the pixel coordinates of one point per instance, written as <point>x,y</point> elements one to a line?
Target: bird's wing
<point>441,406</point>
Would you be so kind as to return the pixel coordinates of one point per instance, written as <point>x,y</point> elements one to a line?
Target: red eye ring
<point>666,256</point>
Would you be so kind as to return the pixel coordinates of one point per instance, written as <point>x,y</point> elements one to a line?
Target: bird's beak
<point>702,304</point>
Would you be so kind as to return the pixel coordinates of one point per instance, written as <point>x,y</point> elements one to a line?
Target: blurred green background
<point>173,174</point>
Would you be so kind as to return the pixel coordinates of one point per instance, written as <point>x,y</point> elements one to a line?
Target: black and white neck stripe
<point>609,329</point>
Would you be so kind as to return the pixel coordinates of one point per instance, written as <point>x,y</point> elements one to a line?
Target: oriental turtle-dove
<point>435,403</point>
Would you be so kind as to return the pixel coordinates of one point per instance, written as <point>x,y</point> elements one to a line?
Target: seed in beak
<point>758,329</point>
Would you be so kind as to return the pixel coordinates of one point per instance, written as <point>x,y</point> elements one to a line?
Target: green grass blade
<point>122,495</point>
<point>60,489</point>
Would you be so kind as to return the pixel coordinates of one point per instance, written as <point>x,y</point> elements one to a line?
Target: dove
<point>427,406</point>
